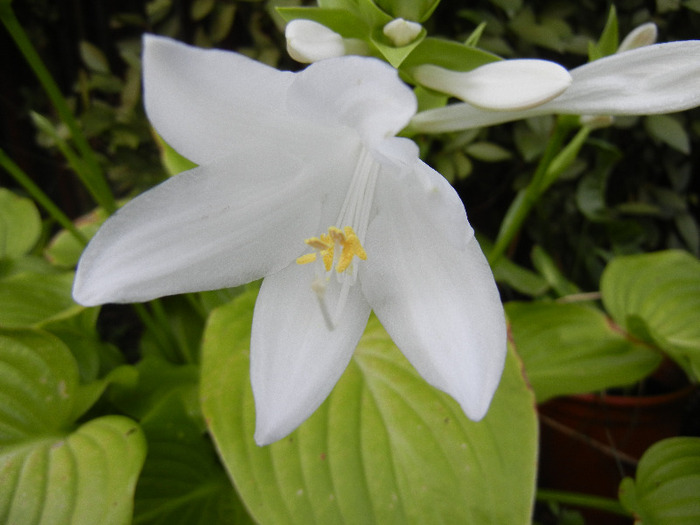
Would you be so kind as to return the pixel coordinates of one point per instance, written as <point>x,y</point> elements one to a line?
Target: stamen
<point>325,244</point>
<point>318,285</point>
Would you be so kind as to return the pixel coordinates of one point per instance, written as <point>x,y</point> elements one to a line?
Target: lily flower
<point>301,181</point>
<point>654,79</point>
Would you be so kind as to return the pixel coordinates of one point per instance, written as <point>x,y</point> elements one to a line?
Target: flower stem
<point>555,160</point>
<point>89,169</point>
<point>582,500</point>
<point>40,197</point>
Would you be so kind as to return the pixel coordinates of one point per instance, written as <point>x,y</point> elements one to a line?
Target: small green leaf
<point>574,348</point>
<point>20,224</point>
<point>668,130</point>
<point>201,8</point>
<point>93,57</point>
<point>609,39</point>
<point>28,299</point>
<point>551,273</point>
<point>385,447</point>
<point>661,293</point>
<point>667,484</point>
<point>488,152</point>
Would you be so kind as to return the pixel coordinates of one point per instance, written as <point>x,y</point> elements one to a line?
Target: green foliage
<point>20,225</point>
<point>656,298</point>
<point>667,484</point>
<point>575,348</point>
<point>383,448</point>
<point>53,471</point>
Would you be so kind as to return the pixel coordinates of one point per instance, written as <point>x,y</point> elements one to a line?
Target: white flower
<point>660,78</point>
<point>503,85</point>
<point>309,41</point>
<point>401,32</point>
<point>292,165</point>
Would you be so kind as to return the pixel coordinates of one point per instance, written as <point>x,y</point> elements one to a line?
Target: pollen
<point>325,244</point>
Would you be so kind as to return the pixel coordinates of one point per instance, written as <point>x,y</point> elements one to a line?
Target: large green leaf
<point>182,480</point>
<point>51,473</point>
<point>20,224</point>
<point>385,447</point>
<point>28,299</point>
<point>656,297</point>
<point>667,484</point>
<point>573,348</point>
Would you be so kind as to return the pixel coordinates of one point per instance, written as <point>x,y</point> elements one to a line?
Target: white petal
<point>215,226</point>
<point>661,78</point>
<point>436,298</point>
<point>204,102</point>
<point>456,117</point>
<point>295,360</point>
<point>643,35</point>
<point>309,41</point>
<point>505,85</point>
<point>359,92</point>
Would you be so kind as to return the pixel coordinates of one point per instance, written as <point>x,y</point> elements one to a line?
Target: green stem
<point>582,500</point>
<point>554,161</point>
<point>40,197</point>
<point>95,183</point>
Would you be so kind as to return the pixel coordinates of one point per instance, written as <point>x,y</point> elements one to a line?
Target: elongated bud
<point>401,32</point>
<point>641,36</point>
<point>505,85</point>
<point>309,41</point>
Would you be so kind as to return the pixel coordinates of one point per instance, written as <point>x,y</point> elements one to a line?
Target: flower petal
<point>437,299</point>
<point>309,41</point>
<point>504,85</point>
<point>204,102</point>
<point>295,360</point>
<point>224,224</point>
<point>359,92</point>
<point>661,78</point>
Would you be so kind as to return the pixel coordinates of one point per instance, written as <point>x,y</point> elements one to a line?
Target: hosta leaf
<point>656,297</point>
<point>182,480</point>
<point>573,348</point>
<point>667,484</point>
<point>20,224</point>
<point>50,473</point>
<point>28,299</point>
<point>385,447</point>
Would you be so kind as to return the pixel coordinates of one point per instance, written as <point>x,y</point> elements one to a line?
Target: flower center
<point>325,245</point>
<point>340,247</point>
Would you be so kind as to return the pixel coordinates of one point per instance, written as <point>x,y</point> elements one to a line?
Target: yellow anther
<point>325,244</point>
<point>351,248</point>
<point>306,259</point>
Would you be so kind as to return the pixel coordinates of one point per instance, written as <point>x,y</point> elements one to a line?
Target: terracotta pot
<point>589,442</point>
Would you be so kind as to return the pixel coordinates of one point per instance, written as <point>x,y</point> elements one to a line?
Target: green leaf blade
<point>661,293</point>
<point>573,349</point>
